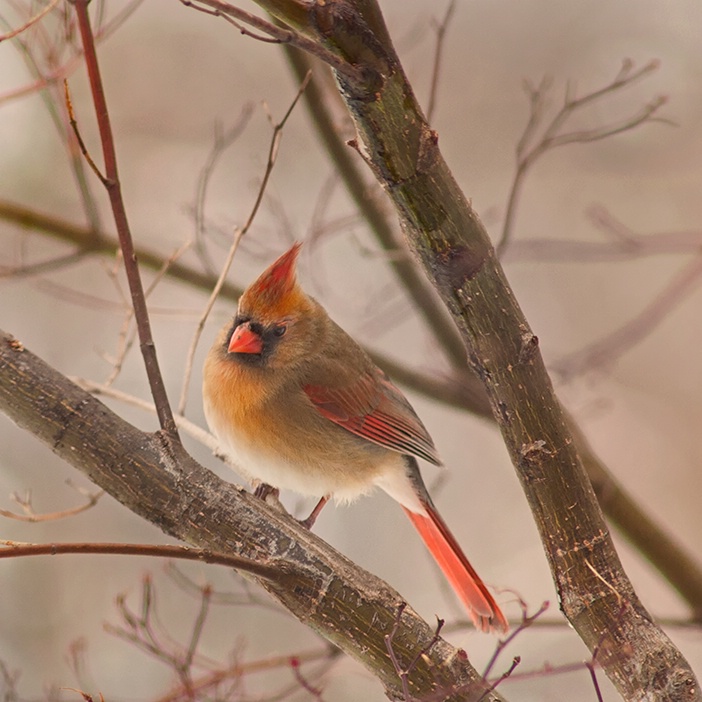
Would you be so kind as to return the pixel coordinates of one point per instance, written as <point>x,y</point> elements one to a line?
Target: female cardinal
<point>297,404</point>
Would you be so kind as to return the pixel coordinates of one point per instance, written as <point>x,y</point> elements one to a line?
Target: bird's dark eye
<point>280,329</point>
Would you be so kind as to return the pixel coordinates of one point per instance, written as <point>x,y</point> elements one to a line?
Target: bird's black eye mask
<point>270,337</point>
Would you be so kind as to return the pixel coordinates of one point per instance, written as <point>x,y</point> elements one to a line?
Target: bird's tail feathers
<point>481,606</point>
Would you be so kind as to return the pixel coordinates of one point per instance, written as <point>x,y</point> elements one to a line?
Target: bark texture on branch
<point>158,480</point>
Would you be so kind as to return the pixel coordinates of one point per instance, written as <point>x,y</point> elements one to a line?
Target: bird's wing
<point>374,409</point>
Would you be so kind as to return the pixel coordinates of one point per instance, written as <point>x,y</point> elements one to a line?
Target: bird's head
<point>276,324</point>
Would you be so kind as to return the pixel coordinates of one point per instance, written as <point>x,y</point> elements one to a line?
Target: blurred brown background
<point>171,75</point>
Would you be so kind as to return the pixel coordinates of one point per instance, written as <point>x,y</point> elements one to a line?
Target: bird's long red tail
<point>481,606</point>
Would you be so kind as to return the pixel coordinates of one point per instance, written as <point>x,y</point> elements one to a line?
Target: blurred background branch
<point>57,268</point>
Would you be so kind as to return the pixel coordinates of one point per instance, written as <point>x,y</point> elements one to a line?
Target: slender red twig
<point>15,549</point>
<point>112,185</point>
<point>302,681</point>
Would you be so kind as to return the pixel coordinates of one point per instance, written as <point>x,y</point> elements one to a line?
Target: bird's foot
<point>309,522</point>
<point>263,490</point>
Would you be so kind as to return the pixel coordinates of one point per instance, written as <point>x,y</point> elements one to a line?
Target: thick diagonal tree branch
<point>455,250</point>
<point>154,477</point>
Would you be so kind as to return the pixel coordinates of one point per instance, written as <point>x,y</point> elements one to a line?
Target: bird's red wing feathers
<point>481,606</point>
<point>374,409</point>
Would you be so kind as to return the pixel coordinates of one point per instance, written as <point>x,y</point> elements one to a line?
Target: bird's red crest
<point>275,288</point>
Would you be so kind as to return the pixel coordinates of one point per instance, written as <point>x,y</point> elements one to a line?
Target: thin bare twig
<point>403,672</point>
<point>9,679</point>
<point>239,234</point>
<point>530,149</point>
<point>113,188</point>
<point>190,428</point>
<point>302,681</point>
<point>527,621</point>
<point>595,683</point>
<point>18,549</point>
<point>607,350</point>
<point>614,251</point>
<point>507,674</point>
<point>52,264</point>
<point>441,29</point>
<point>79,138</point>
<point>222,141</point>
<point>277,34</point>
<point>32,20</point>
<point>198,626</point>
<point>29,515</point>
<point>126,340</point>
<point>87,697</point>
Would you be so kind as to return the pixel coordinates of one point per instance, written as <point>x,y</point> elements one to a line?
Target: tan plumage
<point>297,404</point>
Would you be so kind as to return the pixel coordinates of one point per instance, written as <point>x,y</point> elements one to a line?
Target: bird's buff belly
<point>315,472</point>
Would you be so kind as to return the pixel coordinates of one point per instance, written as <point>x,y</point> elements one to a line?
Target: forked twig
<point>87,697</point>
<point>530,148</point>
<point>83,148</point>
<point>29,515</point>
<point>239,234</point>
<point>507,674</point>
<point>302,681</point>
<point>222,141</point>
<point>403,672</point>
<point>527,621</point>
<point>32,20</point>
<point>277,34</point>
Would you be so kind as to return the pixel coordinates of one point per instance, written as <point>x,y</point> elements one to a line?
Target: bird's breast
<point>282,440</point>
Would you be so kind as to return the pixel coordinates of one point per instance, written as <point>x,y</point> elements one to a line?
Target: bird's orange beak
<point>244,340</point>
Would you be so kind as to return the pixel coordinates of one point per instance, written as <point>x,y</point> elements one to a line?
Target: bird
<point>297,404</point>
